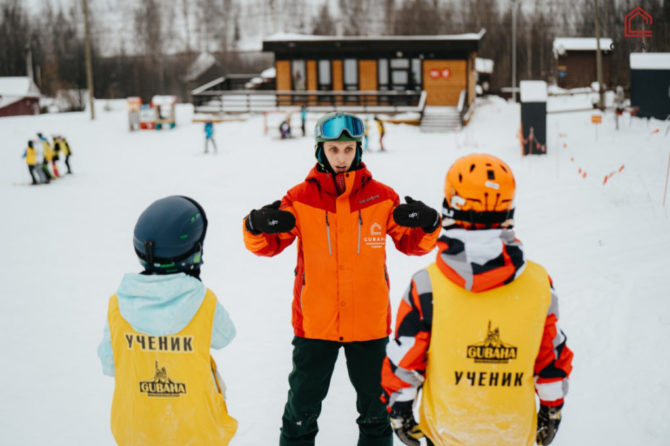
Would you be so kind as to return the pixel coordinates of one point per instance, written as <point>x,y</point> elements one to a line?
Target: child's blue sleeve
<point>25,153</point>
<point>105,352</point>
<point>223,329</point>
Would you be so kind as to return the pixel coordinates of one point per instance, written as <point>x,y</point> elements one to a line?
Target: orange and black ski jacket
<point>341,289</point>
<point>477,261</point>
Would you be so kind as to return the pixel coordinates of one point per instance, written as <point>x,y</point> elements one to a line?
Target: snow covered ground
<point>66,245</point>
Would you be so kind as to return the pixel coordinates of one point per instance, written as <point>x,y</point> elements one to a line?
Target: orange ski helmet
<point>479,192</point>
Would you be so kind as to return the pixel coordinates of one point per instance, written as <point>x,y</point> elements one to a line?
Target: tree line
<point>153,57</point>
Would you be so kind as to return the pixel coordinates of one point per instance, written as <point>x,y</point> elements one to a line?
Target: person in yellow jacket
<point>47,156</point>
<point>477,330</point>
<point>67,151</point>
<point>31,160</point>
<point>381,131</point>
<point>160,327</point>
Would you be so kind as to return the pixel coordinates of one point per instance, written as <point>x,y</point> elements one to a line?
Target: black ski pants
<point>33,173</point>
<point>313,364</point>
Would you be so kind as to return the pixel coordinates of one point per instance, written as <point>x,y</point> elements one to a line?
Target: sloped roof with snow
<point>18,86</point>
<point>202,63</point>
<point>563,44</point>
<point>269,73</point>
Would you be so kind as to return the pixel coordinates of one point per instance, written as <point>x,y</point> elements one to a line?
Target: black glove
<point>404,425</point>
<point>415,214</point>
<point>270,220</point>
<point>548,419</point>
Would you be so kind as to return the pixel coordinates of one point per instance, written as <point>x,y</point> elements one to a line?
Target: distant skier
<point>209,136</point>
<point>341,217</point>
<point>160,327</point>
<point>31,160</point>
<point>381,130</point>
<point>42,165</point>
<point>365,135</point>
<point>303,119</point>
<point>56,155</point>
<point>67,151</point>
<point>285,127</point>
<point>478,330</point>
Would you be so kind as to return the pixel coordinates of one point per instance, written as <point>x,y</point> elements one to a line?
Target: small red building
<point>19,96</point>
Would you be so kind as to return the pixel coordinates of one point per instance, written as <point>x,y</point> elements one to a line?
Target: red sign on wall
<point>444,73</point>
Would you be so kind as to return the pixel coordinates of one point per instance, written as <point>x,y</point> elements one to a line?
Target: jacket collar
<point>326,181</point>
<point>480,260</point>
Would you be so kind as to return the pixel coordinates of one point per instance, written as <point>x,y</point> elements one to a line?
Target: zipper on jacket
<point>302,288</point>
<point>360,223</point>
<point>330,249</point>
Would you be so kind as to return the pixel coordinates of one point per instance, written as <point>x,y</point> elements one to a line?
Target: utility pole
<point>89,65</point>
<point>599,62</point>
<point>514,50</point>
<point>29,62</point>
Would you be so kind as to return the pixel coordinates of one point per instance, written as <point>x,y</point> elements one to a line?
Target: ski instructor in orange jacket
<point>341,217</point>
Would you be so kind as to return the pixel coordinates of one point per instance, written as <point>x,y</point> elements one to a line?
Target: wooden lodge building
<point>392,68</point>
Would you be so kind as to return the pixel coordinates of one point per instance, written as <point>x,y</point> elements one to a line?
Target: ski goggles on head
<point>334,128</point>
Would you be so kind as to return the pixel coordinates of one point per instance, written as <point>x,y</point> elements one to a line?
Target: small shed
<point>19,96</point>
<point>576,61</point>
<point>650,84</point>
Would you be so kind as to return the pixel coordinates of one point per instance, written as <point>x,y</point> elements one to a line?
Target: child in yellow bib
<point>477,330</point>
<point>160,327</point>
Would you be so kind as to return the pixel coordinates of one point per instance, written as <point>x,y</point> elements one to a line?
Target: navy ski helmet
<point>169,235</point>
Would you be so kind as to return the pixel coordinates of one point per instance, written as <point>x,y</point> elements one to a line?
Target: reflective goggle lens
<point>333,128</point>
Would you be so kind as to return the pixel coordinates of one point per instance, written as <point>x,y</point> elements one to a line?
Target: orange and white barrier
<point>611,174</point>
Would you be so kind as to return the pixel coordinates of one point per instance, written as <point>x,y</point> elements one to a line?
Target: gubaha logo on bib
<point>162,385</point>
<point>492,349</point>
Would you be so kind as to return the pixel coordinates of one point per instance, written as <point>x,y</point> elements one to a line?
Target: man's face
<point>340,154</point>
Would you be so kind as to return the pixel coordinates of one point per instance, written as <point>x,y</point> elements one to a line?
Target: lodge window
<point>399,74</point>
<point>350,74</point>
<point>383,78</point>
<point>298,75</point>
<point>325,81</point>
<point>383,74</point>
<point>405,76</point>
<point>351,78</point>
<point>416,80</point>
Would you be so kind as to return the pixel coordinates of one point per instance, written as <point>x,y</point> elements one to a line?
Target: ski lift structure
<point>156,115</point>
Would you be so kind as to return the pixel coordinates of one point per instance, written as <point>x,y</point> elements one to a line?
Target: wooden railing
<point>245,101</point>
<point>462,104</point>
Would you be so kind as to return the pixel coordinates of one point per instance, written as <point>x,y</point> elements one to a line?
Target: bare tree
<point>324,24</point>
<point>354,15</point>
<point>15,35</point>
<point>421,17</point>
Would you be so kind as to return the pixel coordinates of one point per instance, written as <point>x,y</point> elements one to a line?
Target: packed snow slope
<point>66,246</point>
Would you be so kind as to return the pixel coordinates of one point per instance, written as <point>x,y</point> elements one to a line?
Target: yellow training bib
<point>479,386</point>
<point>165,391</point>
